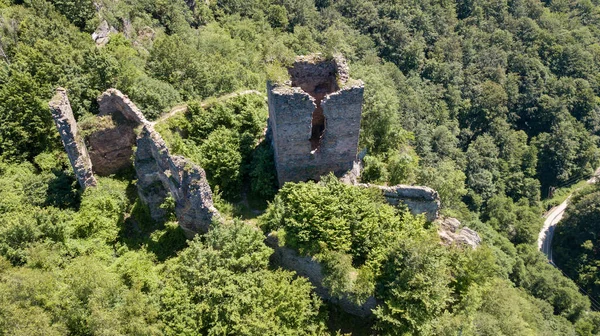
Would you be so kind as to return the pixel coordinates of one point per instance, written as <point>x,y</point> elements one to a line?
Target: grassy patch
<point>561,194</point>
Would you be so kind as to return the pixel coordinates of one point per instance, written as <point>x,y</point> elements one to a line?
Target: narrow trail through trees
<point>182,108</point>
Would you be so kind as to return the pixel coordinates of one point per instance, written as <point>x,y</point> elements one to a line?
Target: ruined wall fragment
<point>310,268</point>
<point>114,100</point>
<point>418,199</point>
<point>314,119</point>
<point>60,107</point>
<point>111,149</point>
<point>111,146</point>
<point>342,110</point>
<point>290,115</point>
<point>161,174</point>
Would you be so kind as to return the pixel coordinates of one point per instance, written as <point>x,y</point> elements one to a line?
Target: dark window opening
<point>318,80</point>
<point>318,128</point>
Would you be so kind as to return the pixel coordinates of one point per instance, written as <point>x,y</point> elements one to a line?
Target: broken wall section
<point>111,137</point>
<point>161,174</point>
<point>312,269</point>
<point>419,200</point>
<point>60,107</point>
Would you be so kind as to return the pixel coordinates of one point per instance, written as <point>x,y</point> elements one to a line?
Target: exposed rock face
<point>314,120</point>
<point>419,200</point>
<point>74,145</point>
<point>160,174</point>
<point>102,34</point>
<point>111,148</point>
<point>310,268</point>
<point>450,233</point>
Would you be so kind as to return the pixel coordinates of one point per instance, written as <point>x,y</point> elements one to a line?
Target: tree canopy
<point>491,103</point>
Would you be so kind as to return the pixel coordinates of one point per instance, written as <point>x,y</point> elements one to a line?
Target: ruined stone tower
<point>314,119</point>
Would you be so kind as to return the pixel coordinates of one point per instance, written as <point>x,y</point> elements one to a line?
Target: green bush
<point>256,300</point>
<point>263,179</point>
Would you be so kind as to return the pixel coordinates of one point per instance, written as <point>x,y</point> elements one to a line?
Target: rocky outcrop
<point>418,200</point>
<point>450,233</point>
<point>161,174</point>
<point>102,34</point>
<point>310,268</point>
<point>60,107</point>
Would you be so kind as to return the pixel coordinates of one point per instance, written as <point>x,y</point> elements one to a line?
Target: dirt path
<point>182,108</point>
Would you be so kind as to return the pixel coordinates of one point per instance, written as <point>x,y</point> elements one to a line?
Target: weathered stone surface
<point>114,100</point>
<point>314,119</point>
<point>102,34</point>
<point>111,147</point>
<point>310,268</point>
<point>73,143</point>
<point>160,174</point>
<point>450,233</point>
<point>419,200</point>
<point>351,177</point>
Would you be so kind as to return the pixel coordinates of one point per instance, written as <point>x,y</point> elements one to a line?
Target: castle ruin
<point>110,143</point>
<point>314,119</point>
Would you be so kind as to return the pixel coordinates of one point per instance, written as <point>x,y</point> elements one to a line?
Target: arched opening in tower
<point>318,118</point>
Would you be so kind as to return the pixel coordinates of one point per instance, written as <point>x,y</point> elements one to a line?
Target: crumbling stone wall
<point>159,174</point>
<point>310,268</point>
<point>60,107</point>
<point>113,100</point>
<point>111,148</point>
<point>314,119</point>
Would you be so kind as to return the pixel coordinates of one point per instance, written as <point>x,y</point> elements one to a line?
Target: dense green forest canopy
<point>490,103</point>
<point>576,241</point>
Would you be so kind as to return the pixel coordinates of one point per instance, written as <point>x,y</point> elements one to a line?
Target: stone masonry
<point>314,119</point>
<point>310,268</point>
<point>418,199</point>
<point>159,173</point>
<point>74,145</point>
<point>111,147</point>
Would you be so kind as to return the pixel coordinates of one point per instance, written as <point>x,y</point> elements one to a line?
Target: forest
<point>492,103</point>
<point>576,244</point>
